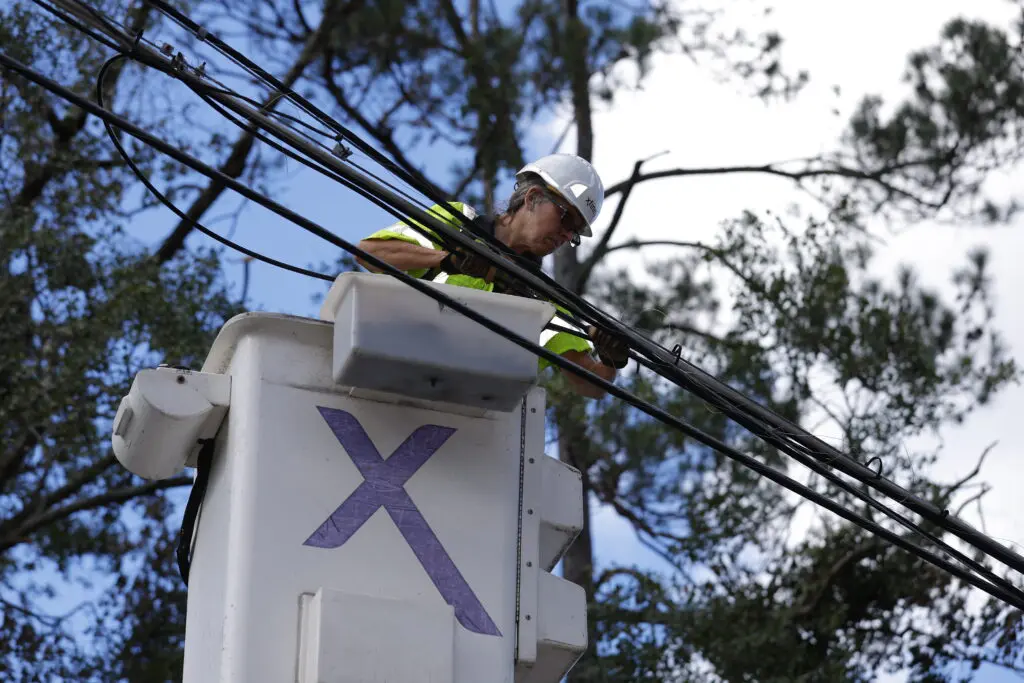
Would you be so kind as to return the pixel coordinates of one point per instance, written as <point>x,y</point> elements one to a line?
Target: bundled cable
<point>334,163</point>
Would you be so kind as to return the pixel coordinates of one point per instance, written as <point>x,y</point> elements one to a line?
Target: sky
<point>861,45</point>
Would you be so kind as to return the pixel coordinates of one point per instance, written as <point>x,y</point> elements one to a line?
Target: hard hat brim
<point>552,185</point>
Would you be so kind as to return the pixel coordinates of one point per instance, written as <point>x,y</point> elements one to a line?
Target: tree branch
<point>297,6</point>
<point>974,472</point>
<point>583,274</point>
<point>455,23</point>
<point>703,334</point>
<point>43,503</point>
<point>976,498</point>
<point>852,557</point>
<point>714,251</point>
<point>839,170</point>
<point>636,244</point>
<point>70,125</point>
<point>115,496</point>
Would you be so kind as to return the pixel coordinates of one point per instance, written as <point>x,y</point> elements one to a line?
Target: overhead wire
<point>255,70</point>
<point>1015,597</point>
<point>784,446</point>
<point>756,422</point>
<point>304,104</point>
<point>76,24</point>
<point>771,425</point>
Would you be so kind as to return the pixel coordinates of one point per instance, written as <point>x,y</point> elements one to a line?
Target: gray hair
<point>517,199</point>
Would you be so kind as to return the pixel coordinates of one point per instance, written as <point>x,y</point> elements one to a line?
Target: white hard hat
<point>574,179</point>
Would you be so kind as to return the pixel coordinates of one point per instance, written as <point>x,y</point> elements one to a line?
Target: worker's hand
<point>506,284</point>
<point>610,349</point>
<point>459,262</point>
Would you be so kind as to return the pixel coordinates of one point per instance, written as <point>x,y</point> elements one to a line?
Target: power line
<point>689,377</point>
<point>786,436</point>
<point>1013,597</point>
<point>755,417</point>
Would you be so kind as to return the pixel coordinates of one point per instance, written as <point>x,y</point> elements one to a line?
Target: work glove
<point>459,262</point>
<point>610,349</point>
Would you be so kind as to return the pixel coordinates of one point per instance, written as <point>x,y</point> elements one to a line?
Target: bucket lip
<point>294,328</point>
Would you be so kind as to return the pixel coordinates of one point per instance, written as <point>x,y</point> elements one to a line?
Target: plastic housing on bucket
<point>393,339</point>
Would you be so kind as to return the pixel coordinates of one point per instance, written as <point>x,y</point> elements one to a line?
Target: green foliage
<point>84,309</point>
<point>962,121</point>
<point>785,310</point>
<point>811,332</point>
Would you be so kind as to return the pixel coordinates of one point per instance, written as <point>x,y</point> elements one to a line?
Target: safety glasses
<point>569,218</point>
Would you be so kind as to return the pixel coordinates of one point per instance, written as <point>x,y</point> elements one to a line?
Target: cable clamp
<point>341,150</point>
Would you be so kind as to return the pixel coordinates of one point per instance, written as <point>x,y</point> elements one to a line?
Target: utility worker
<point>555,201</point>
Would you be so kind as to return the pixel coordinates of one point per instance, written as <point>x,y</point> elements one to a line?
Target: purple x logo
<point>383,486</point>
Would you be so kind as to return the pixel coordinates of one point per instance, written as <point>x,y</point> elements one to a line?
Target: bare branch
<point>637,244</point>
<point>877,176</point>
<point>974,472</point>
<point>297,6</point>
<point>11,528</point>
<point>583,275</point>
<point>66,128</point>
<point>113,497</point>
<point>703,334</point>
<point>976,498</point>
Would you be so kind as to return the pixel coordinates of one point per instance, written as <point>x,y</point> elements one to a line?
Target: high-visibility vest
<point>556,342</point>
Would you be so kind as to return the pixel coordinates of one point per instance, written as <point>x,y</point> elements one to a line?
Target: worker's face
<point>549,223</point>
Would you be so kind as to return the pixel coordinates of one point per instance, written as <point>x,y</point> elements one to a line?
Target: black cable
<point>204,462</point>
<point>759,429</point>
<point>764,431</point>
<point>304,104</point>
<point>807,459</point>
<point>103,40</point>
<point>727,400</point>
<point>715,395</point>
<point>253,130</point>
<point>240,59</point>
<point>750,425</point>
<point>319,167</point>
<point>203,34</point>
<point>222,89</point>
<point>1014,598</point>
<point>813,445</point>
